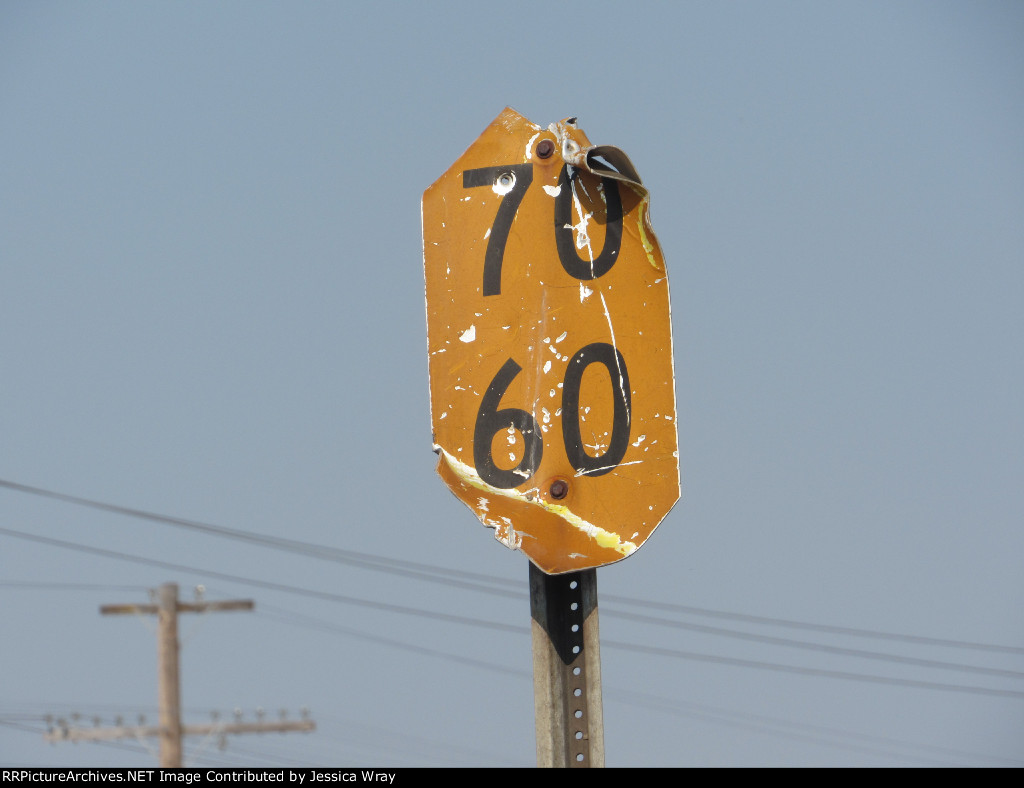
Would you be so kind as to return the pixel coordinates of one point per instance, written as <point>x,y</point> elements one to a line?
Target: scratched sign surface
<point>550,343</point>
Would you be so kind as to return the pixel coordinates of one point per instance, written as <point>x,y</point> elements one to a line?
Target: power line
<point>818,734</point>
<point>394,566</point>
<point>70,586</point>
<point>730,633</point>
<point>267,584</point>
<point>761,723</point>
<point>829,628</point>
<point>823,672</point>
<point>822,647</point>
<point>309,622</point>
<point>404,609</point>
<point>489,584</point>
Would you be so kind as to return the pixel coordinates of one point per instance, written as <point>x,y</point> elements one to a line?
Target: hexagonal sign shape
<point>549,333</point>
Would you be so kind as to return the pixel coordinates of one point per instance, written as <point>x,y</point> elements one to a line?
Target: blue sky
<point>212,309</point>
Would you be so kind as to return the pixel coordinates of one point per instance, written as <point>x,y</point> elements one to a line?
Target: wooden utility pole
<point>566,669</point>
<point>170,730</point>
<point>168,688</point>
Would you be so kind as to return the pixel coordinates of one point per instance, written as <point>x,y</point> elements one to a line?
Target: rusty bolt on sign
<point>545,148</point>
<point>559,489</point>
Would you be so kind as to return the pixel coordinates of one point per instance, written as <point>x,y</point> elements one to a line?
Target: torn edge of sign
<point>578,152</point>
<point>644,225</point>
<point>603,538</point>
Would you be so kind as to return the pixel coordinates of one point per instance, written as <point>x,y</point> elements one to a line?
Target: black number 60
<point>490,420</point>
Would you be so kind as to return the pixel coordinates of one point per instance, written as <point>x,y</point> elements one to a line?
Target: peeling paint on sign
<point>553,415</point>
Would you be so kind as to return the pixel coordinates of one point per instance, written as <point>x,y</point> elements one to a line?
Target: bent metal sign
<point>550,344</point>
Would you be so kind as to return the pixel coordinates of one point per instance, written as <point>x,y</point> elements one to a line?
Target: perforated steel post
<point>566,669</point>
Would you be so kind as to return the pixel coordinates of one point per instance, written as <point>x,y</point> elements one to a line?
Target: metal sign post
<point>566,669</point>
<point>552,390</point>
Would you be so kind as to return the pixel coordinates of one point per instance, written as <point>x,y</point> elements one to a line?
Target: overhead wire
<point>319,551</point>
<point>605,611</point>
<point>310,622</point>
<point>816,627</point>
<point>849,741</point>
<point>477,582</point>
<point>267,584</point>
<point>45,586</point>
<point>759,723</point>
<point>821,647</point>
<point>728,633</point>
<point>805,671</point>
<point>495,585</point>
<point>466,620</point>
<point>879,746</point>
<point>434,573</point>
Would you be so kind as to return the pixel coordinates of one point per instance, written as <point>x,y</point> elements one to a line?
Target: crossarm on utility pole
<point>183,607</point>
<point>152,731</point>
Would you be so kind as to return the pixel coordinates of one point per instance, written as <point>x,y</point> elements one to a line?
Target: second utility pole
<point>168,679</point>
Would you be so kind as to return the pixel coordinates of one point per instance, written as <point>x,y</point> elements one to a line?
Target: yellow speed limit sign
<point>550,343</point>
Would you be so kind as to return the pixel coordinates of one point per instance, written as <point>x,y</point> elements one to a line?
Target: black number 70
<point>512,181</point>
